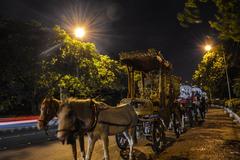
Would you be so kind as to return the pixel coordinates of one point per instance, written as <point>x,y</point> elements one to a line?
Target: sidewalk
<point>217,139</point>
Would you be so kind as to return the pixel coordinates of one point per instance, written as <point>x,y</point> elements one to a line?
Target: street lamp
<point>209,48</point>
<point>79,32</point>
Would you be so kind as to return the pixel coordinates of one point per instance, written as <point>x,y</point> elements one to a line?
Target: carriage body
<point>152,88</point>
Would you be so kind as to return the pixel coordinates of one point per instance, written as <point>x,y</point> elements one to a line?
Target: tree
<point>20,44</point>
<point>224,16</point>
<point>81,70</point>
<point>76,67</point>
<point>210,71</point>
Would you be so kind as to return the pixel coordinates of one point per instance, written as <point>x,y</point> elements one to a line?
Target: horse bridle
<point>46,120</point>
<point>94,117</point>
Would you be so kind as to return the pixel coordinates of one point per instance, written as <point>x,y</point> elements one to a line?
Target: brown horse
<point>49,109</point>
<point>100,121</point>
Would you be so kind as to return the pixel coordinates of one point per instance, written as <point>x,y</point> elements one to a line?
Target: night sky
<point>121,25</point>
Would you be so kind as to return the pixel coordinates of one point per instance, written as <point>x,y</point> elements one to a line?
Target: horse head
<point>67,126</point>
<point>48,110</point>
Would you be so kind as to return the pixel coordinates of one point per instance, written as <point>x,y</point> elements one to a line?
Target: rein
<point>94,118</point>
<point>115,124</point>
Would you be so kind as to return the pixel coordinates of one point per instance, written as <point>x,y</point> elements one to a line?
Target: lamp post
<point>209,48</point>
<point>79,33</point>
<point>226,72</point>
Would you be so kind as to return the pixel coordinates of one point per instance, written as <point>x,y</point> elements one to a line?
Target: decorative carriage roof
<point>145,61</point>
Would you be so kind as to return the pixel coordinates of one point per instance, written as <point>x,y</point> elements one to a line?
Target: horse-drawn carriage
<point>148,109</point>
<point>153,90</point>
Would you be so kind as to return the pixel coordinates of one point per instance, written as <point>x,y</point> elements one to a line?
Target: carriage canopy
<point>149,77</point>
<point>145,61</point>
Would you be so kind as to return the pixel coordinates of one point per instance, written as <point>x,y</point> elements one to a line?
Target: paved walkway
<point>217,139</point>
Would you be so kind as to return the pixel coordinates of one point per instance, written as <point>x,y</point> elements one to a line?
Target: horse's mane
<point>52,104</point>
<point>73,102</point>
<point>51,99</point>
<point>104,105</point>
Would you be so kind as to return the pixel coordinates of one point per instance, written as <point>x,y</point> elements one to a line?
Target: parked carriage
<point>153,90</point>
<point>187,92</point>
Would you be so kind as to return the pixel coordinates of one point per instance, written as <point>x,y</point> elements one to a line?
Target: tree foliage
<point>19,44</point>
<point>224,17</point>
<point>76,67</point>
<point>210,71</point>
<point>81,70</point>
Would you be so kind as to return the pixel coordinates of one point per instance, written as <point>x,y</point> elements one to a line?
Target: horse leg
<point>91,142</point>
<point>130,142</point>
<point>183,123</point>
<point>81,143</point>
<point>74,150</point>
<point>134,135</point>
<point>105,141</point>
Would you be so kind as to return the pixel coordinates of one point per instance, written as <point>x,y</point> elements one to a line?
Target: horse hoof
<point>82,158</point>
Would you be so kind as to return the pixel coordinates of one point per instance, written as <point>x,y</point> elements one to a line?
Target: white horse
<point>99,121</point>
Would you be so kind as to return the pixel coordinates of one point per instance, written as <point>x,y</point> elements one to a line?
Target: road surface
<point>218,138</point>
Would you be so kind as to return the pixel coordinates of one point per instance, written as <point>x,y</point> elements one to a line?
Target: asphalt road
<point>53,150</point>
<point>24,138</point>
<point>216,139</point>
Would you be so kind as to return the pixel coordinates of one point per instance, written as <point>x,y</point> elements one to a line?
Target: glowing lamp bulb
<point>79,32</point>
<point>208,47</point>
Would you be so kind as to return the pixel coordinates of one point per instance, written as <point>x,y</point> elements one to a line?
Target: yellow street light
<point>79,32</point>
<point>208,47</point>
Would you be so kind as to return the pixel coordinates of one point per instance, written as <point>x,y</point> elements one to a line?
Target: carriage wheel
<point>121,140</point>
<point>158,137</point>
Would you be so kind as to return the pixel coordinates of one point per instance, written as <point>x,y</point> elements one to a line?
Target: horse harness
<point>79,129</point>
<point>94,120</point>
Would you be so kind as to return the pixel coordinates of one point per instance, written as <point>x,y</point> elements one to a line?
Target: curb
<point>232,114</point>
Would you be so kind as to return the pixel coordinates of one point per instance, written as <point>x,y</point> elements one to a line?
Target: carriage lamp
<point>79,32</point>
